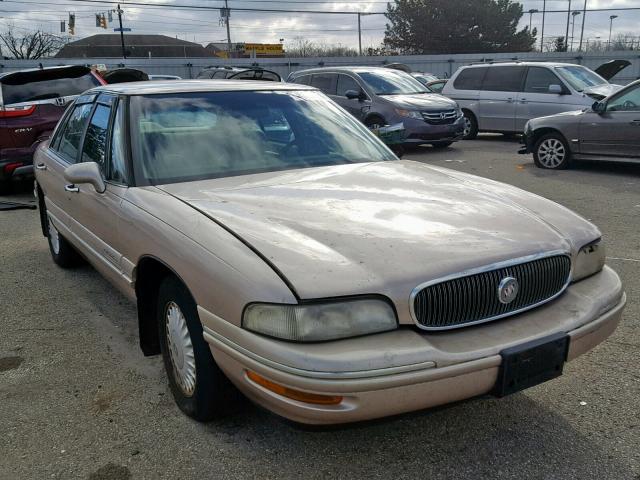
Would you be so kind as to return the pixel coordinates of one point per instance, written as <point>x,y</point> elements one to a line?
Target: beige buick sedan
<point>271,242</point>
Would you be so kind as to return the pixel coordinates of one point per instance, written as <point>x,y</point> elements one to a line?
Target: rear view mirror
<point>86,172</point>
<point>555,88</point>
<point>599,107</point>
<point>352,94</point>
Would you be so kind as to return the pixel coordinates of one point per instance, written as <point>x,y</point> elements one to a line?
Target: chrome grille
<point>474,298</point>
<point>440,118</point>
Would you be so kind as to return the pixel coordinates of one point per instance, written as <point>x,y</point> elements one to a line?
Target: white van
<point>502,97</point>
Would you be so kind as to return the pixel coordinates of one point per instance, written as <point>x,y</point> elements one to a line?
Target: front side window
<point>346,83</point>
<point>325,82</point>
<point>628,101</point>
<point>580,77</point>
<point>503,79</point>
<point>392,82</point>
<point>72,133</point>
<point>94,148</point>
<point>539,79</point>
<point>192,136</point>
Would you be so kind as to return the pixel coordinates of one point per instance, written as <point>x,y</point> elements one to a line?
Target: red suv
<point>31,103</point>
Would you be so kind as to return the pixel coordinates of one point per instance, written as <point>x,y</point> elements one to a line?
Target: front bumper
<point>9,157</point>
<point>527,141</point>
<point>406,370</point>
<point>419,131</point>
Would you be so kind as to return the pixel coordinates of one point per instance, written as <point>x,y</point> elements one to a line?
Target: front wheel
<point>470,126</point>
<point>551,152</point>
<point>62,253</point>
<point>199,387</point>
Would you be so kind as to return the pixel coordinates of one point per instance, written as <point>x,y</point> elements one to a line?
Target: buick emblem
<point>508,290</point>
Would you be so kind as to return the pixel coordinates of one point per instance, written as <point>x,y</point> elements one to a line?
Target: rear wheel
<point>552,152</point>
<point>441,144</point>
<point>470,126</point>
<point>199,387</point>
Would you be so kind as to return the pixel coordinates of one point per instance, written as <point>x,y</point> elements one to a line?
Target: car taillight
<point>10,167</point>
<point>20,111</point>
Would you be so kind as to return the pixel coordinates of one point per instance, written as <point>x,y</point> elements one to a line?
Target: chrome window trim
<point>483,269</point>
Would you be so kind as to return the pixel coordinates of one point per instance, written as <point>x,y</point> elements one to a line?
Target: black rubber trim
<point>245,242</point>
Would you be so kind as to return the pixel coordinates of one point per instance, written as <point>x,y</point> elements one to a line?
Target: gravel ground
<point>78,399</point>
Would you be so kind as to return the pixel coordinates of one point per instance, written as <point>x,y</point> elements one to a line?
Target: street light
<point>531,12</point>
<point>574,14</point>
<point>610,27</point>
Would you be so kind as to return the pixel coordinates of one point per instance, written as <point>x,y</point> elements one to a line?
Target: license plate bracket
<point>531,363</point>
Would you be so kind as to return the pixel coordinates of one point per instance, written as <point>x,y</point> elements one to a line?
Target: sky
<point>203,26</point>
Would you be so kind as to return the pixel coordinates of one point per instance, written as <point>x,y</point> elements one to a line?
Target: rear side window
<point>503,79</point>
<point>220,74</point>
<point>302,80</point>
<point>72,133</point>
<point>325,82</point>
<point>95,141</point>
<point>470,78</point>
<point>539,79</point>
<point>46,89</point>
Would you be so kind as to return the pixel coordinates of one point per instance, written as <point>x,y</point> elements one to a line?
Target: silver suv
<point>382,96</point>
<point>502,97</point>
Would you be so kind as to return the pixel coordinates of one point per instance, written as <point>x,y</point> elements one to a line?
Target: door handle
<point>524,100</point>
<point>41,166</point>
<point>71,188</point>
<point>635,122</point>
<point>509,100</point>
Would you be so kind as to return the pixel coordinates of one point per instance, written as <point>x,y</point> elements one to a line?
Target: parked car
<point>436,86</point>
<point>164,77</point>
<point>503,96</point>
<point>124,75</point>
<point>329,281</point>
<point>239,73</point>
<point>424,78</point>
<point>382,96</point>
<point>609,130</point>
<point>31,103</point>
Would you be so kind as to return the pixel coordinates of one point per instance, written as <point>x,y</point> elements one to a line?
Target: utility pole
<point>584,14</point>
<point>228,14</point>
<point>544,11</point>
<point>531,12</point>
<point>124,51</point>
<point>566,35</point>
<point>610,27</point>
<point>359,36</point>
<point>573,25</point>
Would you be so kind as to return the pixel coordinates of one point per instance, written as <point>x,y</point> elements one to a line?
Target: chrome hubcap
<point>180,349</point>
<point>551,153</point>
<point>54,238</point>
<point>467,126</point>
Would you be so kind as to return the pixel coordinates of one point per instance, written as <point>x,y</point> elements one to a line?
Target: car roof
<point>184,86</point>
<point>518,63</point>
<point>354,69</point>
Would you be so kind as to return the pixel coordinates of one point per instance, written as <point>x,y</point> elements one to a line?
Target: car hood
<point>381,227</point>
<point>599,92</point>
<point>421,101</point>
<point>610,69</point>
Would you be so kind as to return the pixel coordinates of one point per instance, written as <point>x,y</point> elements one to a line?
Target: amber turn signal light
<point>305,397</point>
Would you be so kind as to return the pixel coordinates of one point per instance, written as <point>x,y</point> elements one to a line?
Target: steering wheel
<point>308,145</point>
<point>628,105</point>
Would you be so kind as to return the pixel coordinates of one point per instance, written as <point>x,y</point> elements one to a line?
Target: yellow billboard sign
<point>264,48</point>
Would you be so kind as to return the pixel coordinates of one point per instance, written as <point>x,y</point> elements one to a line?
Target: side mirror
<point>86,172</point>
<point>555,88</point>
<point>353,94</point>
<point>599,107</point>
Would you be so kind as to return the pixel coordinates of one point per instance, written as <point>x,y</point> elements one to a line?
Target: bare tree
<point>30,45</point>
<point>306,48</point>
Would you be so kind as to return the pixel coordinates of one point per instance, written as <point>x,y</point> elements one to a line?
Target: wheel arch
<point>149,273</point>
<point>373,115</point>
<point>542,131</point>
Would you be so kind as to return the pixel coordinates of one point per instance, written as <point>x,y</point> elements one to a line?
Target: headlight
<point>320,321</point>
<point>590,260</point>
<point>409,113</point>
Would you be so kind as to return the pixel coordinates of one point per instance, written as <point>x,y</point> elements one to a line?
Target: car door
<point>96,216</point>
<point>498,98</point>
<point>615,132</point>
<point>355,106</point>
<point>538,97</point>
<point>63,150</point>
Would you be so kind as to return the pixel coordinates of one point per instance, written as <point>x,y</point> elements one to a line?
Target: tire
<point>552,152</point>
<point>374,121</point>
<point>440,145</point>
<point>470,126</point>
<point>62,252</point>
<point>199,387</point>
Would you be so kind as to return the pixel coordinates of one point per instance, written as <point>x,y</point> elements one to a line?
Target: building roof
<point>109,46</point>
<point>180,86</point>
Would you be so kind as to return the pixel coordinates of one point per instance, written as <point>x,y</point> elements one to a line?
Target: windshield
<point>194,136</point>
<point>580,77</point>
<point>392,82</point>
